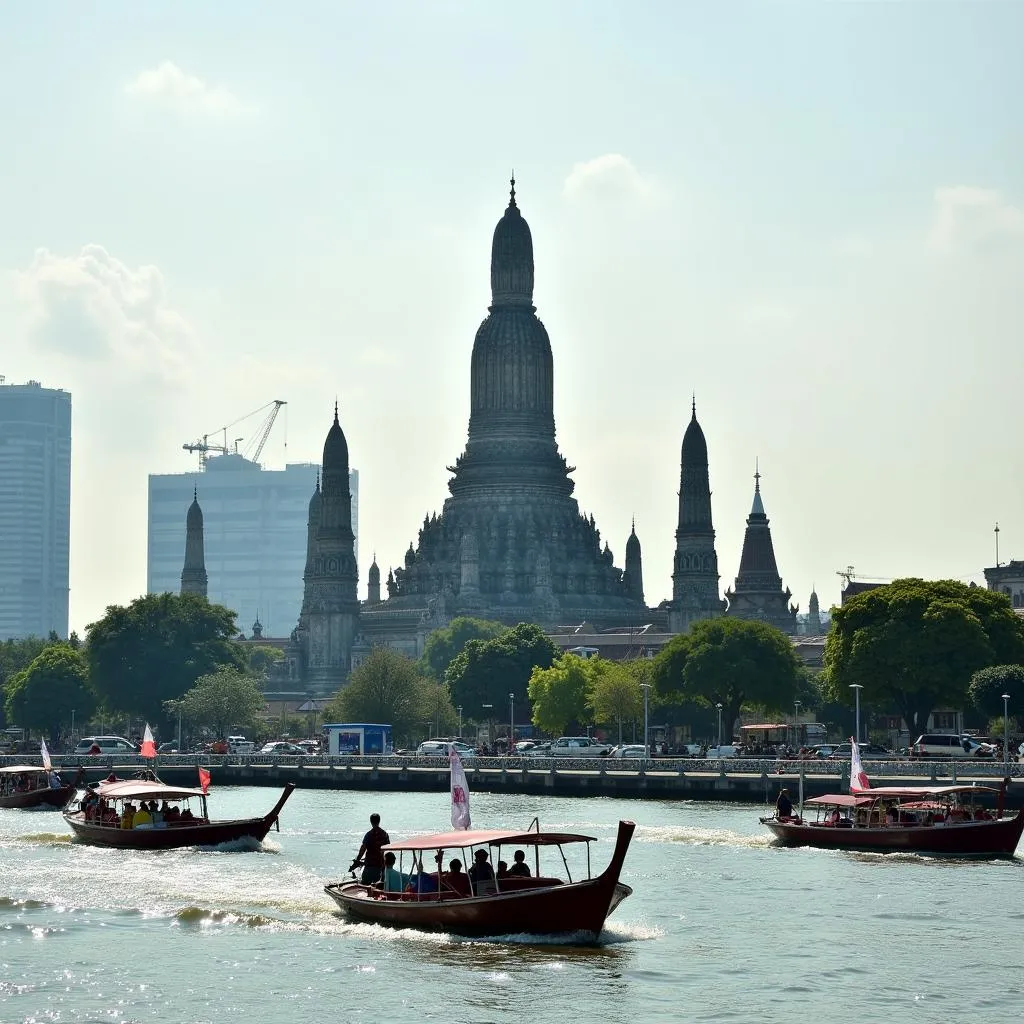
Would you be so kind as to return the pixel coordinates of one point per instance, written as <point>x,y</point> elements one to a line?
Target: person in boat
<point>370,854</point>
<point>422,881</point>
<point>155,813</point>
<point>455,879</point>
<point>502,869</point>
<point>142,817</point>
<point>392,880</point>
<point>54,780</point>
<point>187,815</point>
<point>128,815</point>
<point>481,874</point>
<point>519,869</point>
<point>783,805</point>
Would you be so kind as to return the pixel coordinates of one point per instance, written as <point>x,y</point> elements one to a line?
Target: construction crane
<point>255,446</point>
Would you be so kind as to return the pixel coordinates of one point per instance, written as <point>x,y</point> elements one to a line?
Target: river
<point>722,926</point>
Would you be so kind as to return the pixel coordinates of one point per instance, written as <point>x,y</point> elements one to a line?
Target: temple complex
<point>758,592</point>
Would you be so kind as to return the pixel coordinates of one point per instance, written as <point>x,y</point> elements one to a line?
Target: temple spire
<point>512,193</point>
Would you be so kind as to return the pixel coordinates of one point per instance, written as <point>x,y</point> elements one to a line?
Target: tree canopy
<point>988,685</point>
<point>732,662</point>
<point>616,692</point>
<point>223,700</point>
<point>487,671</point>
<point>386,687</point>
<point>445,643</point>
<point>260,657</point>
<point>914,645</point>
<point>560,694</point>
<point>154,649</point>
<point>43,696</point>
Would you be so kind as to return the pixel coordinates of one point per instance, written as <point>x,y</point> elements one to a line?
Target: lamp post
<point>1006,729</point>
<point>489,708</point>
<point>857,687</point>
<point>647,749</point>
<point>460,721</point>
<point>72,726</point>
<point>796,722</point>
<point>179,730</point>
<point>719,706</point>
<point>511,722</point>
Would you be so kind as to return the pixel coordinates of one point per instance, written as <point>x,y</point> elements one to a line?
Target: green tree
<point>223,700</point>
<point>43,696</point>
<point>914,645</point>
<point>437,708</point>
<point>988,685</point>
<point>561,694</point>
<point>487,671</point>
<point>444,644</point>
<point>616,691</point>
<point>732,662</point>
<point>261,657</point>
<point>153,650</point>
<point>387,688</point>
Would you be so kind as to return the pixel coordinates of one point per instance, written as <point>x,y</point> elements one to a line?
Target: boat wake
<point>696,836</point>
<point>43,838</point>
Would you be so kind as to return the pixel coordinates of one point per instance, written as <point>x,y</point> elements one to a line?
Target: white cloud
<point>968,217</point>
<point>94,307</point>
<point>169,86</point>
<point>611,176</point>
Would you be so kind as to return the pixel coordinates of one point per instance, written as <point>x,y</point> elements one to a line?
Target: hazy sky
<point>811,215</point>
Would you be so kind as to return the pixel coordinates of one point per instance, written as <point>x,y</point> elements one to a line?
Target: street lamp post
<point>72,726</point>
<point>179,732</point>
<point>857,687</point>
<point>796,722</point>
<point>719,706</point>
<point>489,708</point>
<point>647,749</point>
<point>1006,729</point>
<point>460,721</point>
<point>511,722</point>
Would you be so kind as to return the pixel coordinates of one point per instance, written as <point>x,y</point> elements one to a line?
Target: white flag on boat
<point>46,755</point>
<point>460,790</point>
<point>148,743</point>
<point>858,777</point>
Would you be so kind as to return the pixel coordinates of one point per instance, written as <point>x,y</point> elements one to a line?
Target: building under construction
<point>255,525</point>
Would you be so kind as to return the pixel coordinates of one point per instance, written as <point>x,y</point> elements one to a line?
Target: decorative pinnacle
<point>693,405</point>
<point>757,477</point>
<point>336,411</point>
<point>512,195</point>
<point>318,479</point>
<point>195,496</point>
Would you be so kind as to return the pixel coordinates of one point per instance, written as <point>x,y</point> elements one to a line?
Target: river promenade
<point>737,780</point>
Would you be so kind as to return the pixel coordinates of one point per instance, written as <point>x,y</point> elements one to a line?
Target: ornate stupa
<point>193,573</point>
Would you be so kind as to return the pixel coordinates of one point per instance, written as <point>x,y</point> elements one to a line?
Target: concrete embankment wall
<point>740,781</point>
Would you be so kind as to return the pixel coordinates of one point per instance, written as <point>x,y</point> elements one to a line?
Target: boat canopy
<point>912,792</point>
<point>140,789</point>
<point>21,769</point>
<point>840,800</point>
<point>486,837</point>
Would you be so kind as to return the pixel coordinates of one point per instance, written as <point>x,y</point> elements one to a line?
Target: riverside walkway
<point>738,780</point>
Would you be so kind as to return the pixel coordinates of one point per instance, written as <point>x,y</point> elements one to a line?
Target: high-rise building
<point>254,533</point>
<point>35,509</point>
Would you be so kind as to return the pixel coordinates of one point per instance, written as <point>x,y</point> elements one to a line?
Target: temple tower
<point>695,566</point>
<point>193,574</point>
<point>813,614</point>
<point>373,583</point>
<point>633,576</point>
<point>758,592</point>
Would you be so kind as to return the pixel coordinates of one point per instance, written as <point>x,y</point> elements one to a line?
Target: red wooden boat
<point>28,785</point>
<point>100,824</point>
<point>935,820</point>
<point>538,905</point>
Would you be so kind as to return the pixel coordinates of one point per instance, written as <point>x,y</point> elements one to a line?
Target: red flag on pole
<point>204,779</point>
<point>148,743</point>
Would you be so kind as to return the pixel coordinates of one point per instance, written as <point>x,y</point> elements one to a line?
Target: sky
<point>810,216</point>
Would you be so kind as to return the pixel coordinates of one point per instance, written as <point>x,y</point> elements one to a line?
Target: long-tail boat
<point>28,785</point>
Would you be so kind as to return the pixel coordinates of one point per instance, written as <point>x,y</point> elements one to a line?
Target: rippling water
<point>722,926</point>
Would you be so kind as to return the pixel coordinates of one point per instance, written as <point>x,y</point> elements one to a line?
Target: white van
<point>240,745</point>
<point>106,744</point>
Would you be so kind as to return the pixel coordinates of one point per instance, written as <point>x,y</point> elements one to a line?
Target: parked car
<point>240,745</point>
<point>628,750</point>
<point>725,750</point>
<point>824,749</point>
<point>168,748</point>
<point>539,750</point>
<point>868,752</point>
<point>106,745</point>
<point>439,748</point>
<point>578,746</point>
<point>950,746</point>
<point>282,747</point>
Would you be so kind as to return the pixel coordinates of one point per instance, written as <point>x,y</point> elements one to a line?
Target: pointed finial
<point>757,476</point>
<point>634,524</point>
<point>336,411</point>
<point>693,405</point>
<point>195,497</point>
<point>512,195</point>
<point>318,479</point>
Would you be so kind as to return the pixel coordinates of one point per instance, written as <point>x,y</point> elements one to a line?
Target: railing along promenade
<point>744,780</point>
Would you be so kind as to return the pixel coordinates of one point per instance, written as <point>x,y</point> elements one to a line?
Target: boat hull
<point>993,839</point>
<point>176,835</point>
<point>43,797</point>
<point>551,910</point>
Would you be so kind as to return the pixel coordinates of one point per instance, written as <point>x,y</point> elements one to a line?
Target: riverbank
<point>726,780</point>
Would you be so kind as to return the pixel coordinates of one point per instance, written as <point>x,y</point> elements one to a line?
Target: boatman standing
<point>783,806</point>
<point>370,854</point>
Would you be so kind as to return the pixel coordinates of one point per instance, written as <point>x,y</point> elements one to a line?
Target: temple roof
<point>335,447</point>
<point>695,447</point>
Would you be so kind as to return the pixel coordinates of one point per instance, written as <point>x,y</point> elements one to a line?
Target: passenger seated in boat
<point>455,879</point>
<point>187,815</point>
<point>422,882</point>
<point>892,814</point>
<point>155,813</point>
<point>833,818</point>
<point>128,816</point>
<point>982,814</point>
<point>502,870</point>
<point>54,780</point>
<point>481,874</point>
<point>143,819</point>
<point>520,869</point>
<point>392,880</point>
<point>173,813</point>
